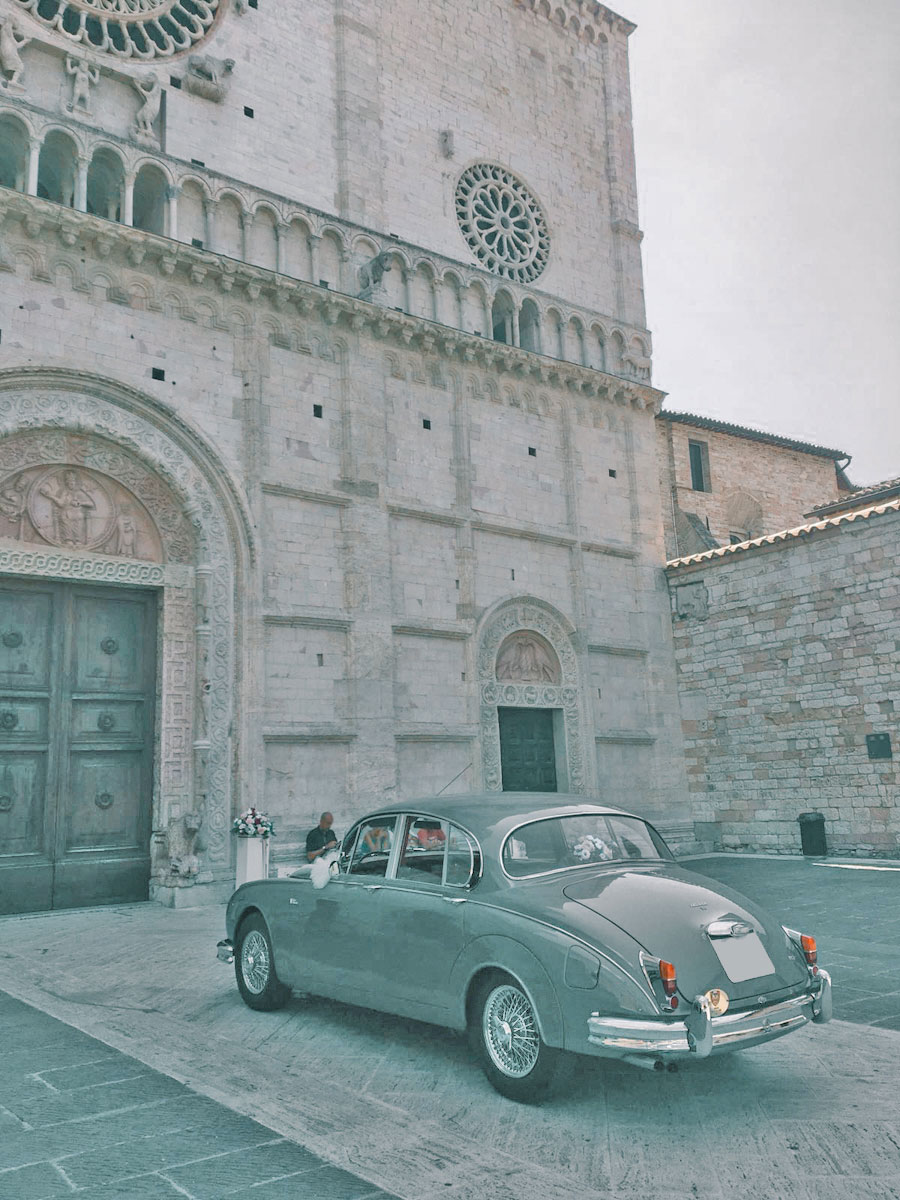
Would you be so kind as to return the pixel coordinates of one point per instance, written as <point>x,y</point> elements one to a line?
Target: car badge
<point>740,929</point>
<point>703,906</point>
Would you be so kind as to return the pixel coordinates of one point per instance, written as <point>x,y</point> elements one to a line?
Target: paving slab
<point>147,1141</point>
<point>402,1104</point>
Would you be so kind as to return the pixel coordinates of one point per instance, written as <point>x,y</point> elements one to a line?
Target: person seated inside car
<point>429,835</point>
<point>376,840</point>
<point>321,838</point>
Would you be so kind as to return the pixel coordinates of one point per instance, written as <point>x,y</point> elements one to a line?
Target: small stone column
<point>209,224</point>
<point>246,230</point>
<point>128,208</point>
<point>81,176</point>
<point>313,243</point>
<point>514,326</point>
<point>34,159</point>
<point>172,194</point>
<point>281,233</point>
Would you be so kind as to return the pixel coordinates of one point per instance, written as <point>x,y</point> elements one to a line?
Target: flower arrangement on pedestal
<point>253,824</point>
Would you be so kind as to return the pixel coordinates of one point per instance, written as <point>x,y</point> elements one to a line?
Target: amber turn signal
<point>667,975</point>
<point>808,946</point>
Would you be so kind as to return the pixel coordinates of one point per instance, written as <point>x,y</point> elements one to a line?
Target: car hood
<point>667,911</point>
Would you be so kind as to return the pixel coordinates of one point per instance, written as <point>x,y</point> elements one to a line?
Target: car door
<point>332,929</point>
<point>422,928</point>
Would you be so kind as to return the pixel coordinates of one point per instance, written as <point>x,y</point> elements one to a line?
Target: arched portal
<point>124,540</point>
<point>531,719</point>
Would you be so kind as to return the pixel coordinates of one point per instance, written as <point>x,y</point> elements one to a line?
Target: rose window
<point>502,222</point>
<point>142,29</point>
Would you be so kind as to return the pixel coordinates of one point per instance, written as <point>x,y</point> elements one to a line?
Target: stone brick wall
<point>754,487</point>
<point>788,656</point>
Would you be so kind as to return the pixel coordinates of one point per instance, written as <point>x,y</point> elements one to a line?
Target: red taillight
<point>667,975</point>
<point>808,946</point>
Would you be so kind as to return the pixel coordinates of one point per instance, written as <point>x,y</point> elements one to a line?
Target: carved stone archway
<point>65,435</point>
<point>545,634</point>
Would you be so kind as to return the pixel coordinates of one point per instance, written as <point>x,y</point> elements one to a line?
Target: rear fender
<point>507,955</point>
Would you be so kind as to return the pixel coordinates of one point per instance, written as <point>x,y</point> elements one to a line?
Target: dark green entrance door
<point>77,685</point>
<point>527,752</point>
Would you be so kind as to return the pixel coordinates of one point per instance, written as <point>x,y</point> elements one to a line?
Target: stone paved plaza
<point>815,1116</point>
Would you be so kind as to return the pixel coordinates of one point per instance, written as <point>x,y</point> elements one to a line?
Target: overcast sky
<point>768,150</point>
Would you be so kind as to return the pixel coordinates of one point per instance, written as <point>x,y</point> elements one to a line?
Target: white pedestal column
<point>252,859</point>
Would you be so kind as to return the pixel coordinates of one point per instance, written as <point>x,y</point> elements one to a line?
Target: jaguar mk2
<point>540,924</point>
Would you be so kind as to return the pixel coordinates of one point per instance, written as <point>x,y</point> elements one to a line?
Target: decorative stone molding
<point>514,618</point>
<point>138,441</point>
<point>208,77</point>
<point>587,20</point>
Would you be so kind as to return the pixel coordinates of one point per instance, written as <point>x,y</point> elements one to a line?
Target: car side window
<point>372,848</point>
<point>424,849</point>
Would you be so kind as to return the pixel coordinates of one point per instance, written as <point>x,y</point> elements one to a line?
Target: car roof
<point>484,812</point>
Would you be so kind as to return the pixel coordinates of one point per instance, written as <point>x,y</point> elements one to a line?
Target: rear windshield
<point>586,840</point>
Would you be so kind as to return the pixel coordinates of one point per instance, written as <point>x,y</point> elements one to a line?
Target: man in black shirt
<point>321,838</point>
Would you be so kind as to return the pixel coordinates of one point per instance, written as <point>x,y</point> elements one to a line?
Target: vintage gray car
<point>539,923</point>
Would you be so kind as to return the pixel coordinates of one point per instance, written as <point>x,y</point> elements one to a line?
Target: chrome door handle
<point>293,901</point>
<point>453,899</point>
<point>373,887</point>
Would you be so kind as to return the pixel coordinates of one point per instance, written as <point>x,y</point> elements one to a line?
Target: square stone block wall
<point>788,657</point>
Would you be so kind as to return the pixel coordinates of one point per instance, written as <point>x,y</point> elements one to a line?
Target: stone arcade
<point>328,459</point>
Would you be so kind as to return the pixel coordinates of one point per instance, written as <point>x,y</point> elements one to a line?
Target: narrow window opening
<point>197,243</point>
<point>175,82</point>
<point>323,283</point>
<point>612,473</point>
<point>320,660</point>
<point>157,373</point>
<point>198,162</point>
<point>426,424</point>
<point>512,573</point>
<point>699,460</point>
<point>532,450</point>
<point>248,112</point>
<point>317,410</point>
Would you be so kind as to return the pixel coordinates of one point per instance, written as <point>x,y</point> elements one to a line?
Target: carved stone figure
<point>208,77</point>
<point>13,506</point>
<point>151,89</point>
<point>372,273</point>
<point>72,506</point>
<point>126,535</point>
<point>524,658</point>
<point>83,77</point>
<point>12,39</point>
<point>182,839</point>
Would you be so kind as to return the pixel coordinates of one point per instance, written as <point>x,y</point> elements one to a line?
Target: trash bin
<point>812,833</point>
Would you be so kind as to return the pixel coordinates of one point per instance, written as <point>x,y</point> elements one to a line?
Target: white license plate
<point>743,957</point>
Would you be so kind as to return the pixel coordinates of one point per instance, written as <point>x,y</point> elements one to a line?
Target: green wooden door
<point>527,751</point>
<point>77,685</point>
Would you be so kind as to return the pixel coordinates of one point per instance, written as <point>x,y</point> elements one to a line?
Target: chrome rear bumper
<point>701,1034</point>
<point>225,951</point>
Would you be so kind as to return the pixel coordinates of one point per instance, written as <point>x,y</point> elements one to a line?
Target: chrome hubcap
<point>510,1031</point>
<point>255,962</point>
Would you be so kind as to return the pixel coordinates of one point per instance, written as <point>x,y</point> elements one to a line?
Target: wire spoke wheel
<point>256,964</point>
<point>510,1031</point>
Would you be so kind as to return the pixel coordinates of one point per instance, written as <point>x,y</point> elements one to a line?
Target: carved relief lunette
<point>526,658</point>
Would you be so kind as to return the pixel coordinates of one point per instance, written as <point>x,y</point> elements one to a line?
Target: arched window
<point>229,235</point>
<point>150,200</point>
<point>192,214</point>
<point>106,185</point>
<point>530,327</point>
<point>13,154</point>
<point>56,169</point>
<point>263,245</point>
<point>502,318</point>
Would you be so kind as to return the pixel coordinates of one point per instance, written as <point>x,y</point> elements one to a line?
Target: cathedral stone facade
<point>328,448</point>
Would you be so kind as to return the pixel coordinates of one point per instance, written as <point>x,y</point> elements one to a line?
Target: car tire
<point>254,967</point>
<point>505,1034</point>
